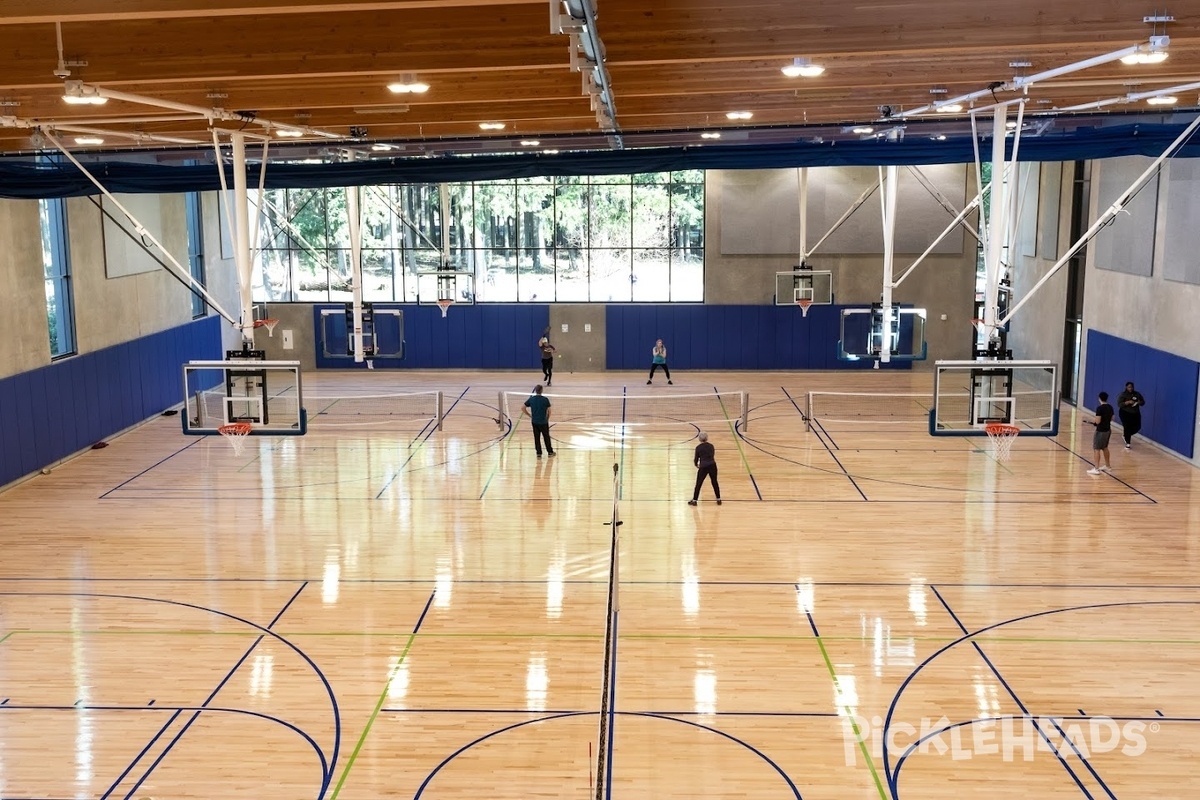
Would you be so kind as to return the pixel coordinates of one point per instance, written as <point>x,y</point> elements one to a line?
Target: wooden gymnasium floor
<point>403,613</point>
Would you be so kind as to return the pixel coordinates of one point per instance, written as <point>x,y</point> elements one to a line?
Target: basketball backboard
<point>458,287</point>
<point>968,395</point>
<point>814,286</point>
<point>862,336</point>
<point>266,394</point>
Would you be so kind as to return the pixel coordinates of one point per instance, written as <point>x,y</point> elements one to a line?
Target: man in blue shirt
<point>537,408</point>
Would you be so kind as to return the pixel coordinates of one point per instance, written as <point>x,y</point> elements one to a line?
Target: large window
<point>195,228</point>
<point>624,238</point>
<point>56,262</point>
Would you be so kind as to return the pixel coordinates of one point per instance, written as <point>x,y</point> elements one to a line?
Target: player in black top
<point>1129,408</point>
<point>1103,423</point>
<point>705,460</point>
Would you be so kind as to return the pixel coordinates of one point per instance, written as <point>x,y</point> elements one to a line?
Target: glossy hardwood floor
<point>398,612</point>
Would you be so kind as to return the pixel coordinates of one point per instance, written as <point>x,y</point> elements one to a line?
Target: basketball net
<point>1002,436</point>
<point>444,305</point>
<point>235,433</point>
<point>269,324</point>
<point>804,304</point>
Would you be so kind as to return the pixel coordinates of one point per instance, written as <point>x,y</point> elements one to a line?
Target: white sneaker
<point>1093,471</point>
<point>1127,447</point>
<point>1106,469</point>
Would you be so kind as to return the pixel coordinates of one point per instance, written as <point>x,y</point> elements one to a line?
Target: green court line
<point>412,637</point>
<point>512,432</point>
<point>5,638</point>
<point>853,724</point>
<point>737,440</point>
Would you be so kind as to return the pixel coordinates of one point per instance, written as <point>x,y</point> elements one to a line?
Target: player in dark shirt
<point>705,461</point>
<point>1129,408</point>
<point>537,408</point>
<point>1103,423</point>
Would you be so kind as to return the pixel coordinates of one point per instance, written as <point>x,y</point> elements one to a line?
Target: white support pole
<point>1104,218</point>
<point>802,177</point>
<point>943,201</point>
<point>355,227</point>
<point>184,274</point>
<point>855,206</point>
<point>997,221</point>
<point>444,196</point>
<point>241,250</point>
<point>962,215</point>
<point>890,194</point>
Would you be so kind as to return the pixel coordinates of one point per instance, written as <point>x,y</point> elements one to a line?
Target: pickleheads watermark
<point>1012,738</point>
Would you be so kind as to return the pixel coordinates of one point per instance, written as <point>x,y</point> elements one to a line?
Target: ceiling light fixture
<point>78,93</point>
<point>950,108</point>
<point>550,152</point>
<point>529,143</point>
<point>1153,52</point>
<point>802,68</point>
<point>1162,100</point>
<point>381,147</point>
<point>739,115</point>
<point>408,85</point>
<point>710,135</point>
<point>941,137</point>
<point>88,140</point>
<point>289,133</point>
<point>863,129</point>
<point>491,126</point>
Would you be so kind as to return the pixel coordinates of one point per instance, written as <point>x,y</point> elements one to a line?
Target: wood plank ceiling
<point>676,67</point>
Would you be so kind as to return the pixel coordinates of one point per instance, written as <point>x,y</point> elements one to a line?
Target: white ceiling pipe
<point>1029,80</point>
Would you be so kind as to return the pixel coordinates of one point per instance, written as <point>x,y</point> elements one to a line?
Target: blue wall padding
<point>491,336</point>
<point>1168,381</point>
<point>52,412</point>
<point>731,337</point>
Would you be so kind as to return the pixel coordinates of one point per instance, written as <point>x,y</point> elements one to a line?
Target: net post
<point>500,408</point>
<point>808,411</point>
<point>745,411</point>
<point>441,406</point>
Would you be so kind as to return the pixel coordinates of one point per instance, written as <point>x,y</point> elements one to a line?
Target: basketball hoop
<point>269,324</point>
<point>804,304</point>
<point>235,433</point>
<point>1002,436</point>
<point>444,305</point>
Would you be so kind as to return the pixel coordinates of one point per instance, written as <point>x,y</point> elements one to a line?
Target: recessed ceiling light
<point>1162,100</point>
<point>550,152</point>
<point>739,115</point>
<point>950,108</point>
<point>88,140</point>
<point>529,143</point>
<point>802,68</point>
<point>381,147</point>
<point>491,126</point>
<point>863,129</point>
<point>289,133</point>
<point>710,135</point>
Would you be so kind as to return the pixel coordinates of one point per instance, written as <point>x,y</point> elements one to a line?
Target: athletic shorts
<point>1100,440</point>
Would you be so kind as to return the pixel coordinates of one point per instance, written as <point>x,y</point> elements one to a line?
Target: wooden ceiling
<point>677,67</point>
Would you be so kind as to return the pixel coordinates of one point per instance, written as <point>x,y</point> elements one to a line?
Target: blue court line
<point>814,428</point>
<point>648,712</point>
<point>162,461</point>
<point>420,442</point>
<point>829,446</point>
<point>565,715</point>
<point>612,710</point>
<point>1024,709</point>
<point>970,636</point>
<point>195,714</point>
<point>285,642</point>
<point>1114,477</point>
